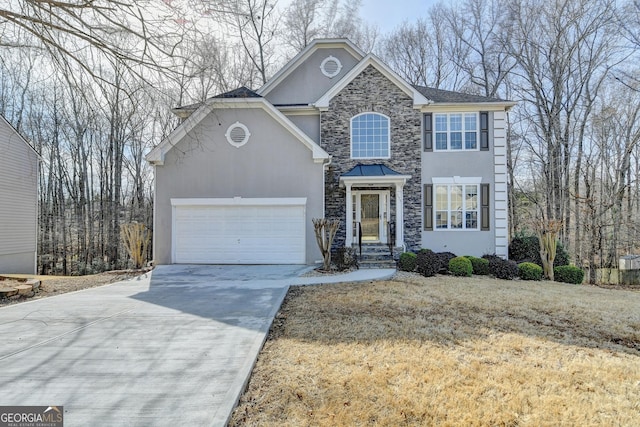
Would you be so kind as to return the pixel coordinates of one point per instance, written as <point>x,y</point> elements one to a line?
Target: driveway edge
<point>231,399</point>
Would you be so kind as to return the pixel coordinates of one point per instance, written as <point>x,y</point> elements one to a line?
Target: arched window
<point>370,136</point>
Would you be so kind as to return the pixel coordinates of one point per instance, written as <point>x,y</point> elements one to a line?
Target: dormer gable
<point>312,72</point>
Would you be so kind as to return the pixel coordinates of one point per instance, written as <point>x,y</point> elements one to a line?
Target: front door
<point>372,212</point>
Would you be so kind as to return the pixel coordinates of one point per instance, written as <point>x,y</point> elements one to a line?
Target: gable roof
<point>184,111</point>
<point>306,53</point>
<point>157,154</point>
<point>418,98</point>
<point>440,96</point>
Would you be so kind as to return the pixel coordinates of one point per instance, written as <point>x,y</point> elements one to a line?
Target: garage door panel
<point>239,234</point>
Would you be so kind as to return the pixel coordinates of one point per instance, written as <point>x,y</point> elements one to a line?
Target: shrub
<point>443,260</point>
<point>407,261</point>
<point>529,271</point>
<point>502,268</point>
<point>480,265</point>
<point>427,263</point>
<point>568,274</point>
<point>460,266</point>
<point>525,248</point>
<point>345,258</point>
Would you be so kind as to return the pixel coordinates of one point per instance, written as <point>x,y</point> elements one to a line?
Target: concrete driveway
<point>171,348</point>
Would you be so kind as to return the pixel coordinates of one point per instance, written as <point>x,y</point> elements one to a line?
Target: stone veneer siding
<point>371,91</point>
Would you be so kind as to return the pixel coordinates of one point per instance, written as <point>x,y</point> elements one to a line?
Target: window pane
<point>471,196</point>
<point>456,197</point>
<point>470,122</point>
<point>456,220</point>
<point>470,140</point>
<point>441,122</point>
<point>441,141</point>
<point>442,202</point>
<point>441,219</point>
<point>456,140</point>
<point>455,122</point>
<point>370,136</point>
<point>471,220</point>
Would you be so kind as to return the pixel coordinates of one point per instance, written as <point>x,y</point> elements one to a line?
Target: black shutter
<point>428,207</point>
<point>485,197</point>
<point>428,132</point>
<point>484,131</point>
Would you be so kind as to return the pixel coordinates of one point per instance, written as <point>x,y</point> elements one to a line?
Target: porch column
<point>349,217</point>
<point>399,214</point>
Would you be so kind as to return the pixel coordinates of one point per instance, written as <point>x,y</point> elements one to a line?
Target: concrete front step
<point>375,256</point>
<point>376,264</point>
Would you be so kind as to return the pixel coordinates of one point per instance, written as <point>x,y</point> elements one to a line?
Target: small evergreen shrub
<point>443,260</point>
<point>526,248</point>
<point>529,271</point>
<point>407,261</point>
<point>502,268</point>
<point>427,262</point>
<point>480,265</point>
<point>460,266</point>
<point>568,274</point>
<point>345,258</point>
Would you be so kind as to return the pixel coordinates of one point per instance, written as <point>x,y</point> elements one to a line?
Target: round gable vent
<point>237,134</point>
<point>331,66</point>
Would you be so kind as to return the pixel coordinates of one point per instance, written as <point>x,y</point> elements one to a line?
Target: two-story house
<point>335,133</point>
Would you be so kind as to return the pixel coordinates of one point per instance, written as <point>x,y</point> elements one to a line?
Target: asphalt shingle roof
<point>447,96</point>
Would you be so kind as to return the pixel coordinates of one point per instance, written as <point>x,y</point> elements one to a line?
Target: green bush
<point>568,274</point>
<point>407,261</point>
<point>502,268</point>
<point>460,266</point>
<point>427,262</point>
<point>480,265</point>
<point>529,271</point>
<point>526,248</point>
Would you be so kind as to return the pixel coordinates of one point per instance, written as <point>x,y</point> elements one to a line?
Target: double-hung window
<point>456,206</point>
<point>370,136</point>
<point>456,131</point>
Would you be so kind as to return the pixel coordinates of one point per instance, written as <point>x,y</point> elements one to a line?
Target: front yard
<point>449,351</point>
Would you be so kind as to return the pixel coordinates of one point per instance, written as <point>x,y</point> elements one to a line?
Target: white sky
<point>389,14</point>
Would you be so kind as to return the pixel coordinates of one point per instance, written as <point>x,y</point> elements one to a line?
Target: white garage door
<point>239,231</point>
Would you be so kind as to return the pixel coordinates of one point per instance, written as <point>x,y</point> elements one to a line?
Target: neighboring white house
<point>18,202</point>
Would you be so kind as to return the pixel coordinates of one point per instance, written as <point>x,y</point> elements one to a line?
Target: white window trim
<point>456,180</point>
<point>351,136</point>
<point>448,149</point>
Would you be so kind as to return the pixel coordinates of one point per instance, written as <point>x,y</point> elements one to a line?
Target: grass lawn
<point>449,351</point>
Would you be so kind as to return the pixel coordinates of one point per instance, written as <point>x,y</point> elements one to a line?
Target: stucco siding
<point>308,123</point>
<point>306,84</point>
<point>272,164</point>
<point>467,164</point>
<point>18,202</point>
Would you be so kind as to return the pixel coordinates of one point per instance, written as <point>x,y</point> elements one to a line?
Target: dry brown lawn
<point>449,351</point>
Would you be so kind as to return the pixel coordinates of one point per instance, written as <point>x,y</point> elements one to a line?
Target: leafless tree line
<point>90,83</point>
<point>571,65</point>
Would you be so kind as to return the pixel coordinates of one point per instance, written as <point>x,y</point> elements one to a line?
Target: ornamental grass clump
<point>407,261</point>
<point>568,274</point>
<point>460,266</point>
<point>529,271</point>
